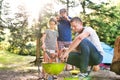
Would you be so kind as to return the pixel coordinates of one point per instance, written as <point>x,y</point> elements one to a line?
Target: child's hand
<point>43,47</point>
<point>53,56</point>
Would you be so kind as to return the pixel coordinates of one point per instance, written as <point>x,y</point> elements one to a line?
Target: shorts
<point>63,44</point>
<point>49,52</point>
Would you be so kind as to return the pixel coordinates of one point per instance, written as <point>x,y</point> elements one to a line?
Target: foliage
<point>19,31</point>
<point>2,38</point>
<point>18,40</point>
<point>1,25</point>
<point>69,3</point>
<point>31,47</point>
<point>105,19</point>
<point>4,45</point>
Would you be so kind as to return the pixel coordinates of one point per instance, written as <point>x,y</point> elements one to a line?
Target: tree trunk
<point>37,50</point>
<point>116,50</point>
<point>67,7</point>
<point>115,66</point>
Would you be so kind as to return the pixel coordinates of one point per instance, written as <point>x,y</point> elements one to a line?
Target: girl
<point>49,42</point>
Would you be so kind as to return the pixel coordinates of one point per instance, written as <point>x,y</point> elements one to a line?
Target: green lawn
<point>10,61</point>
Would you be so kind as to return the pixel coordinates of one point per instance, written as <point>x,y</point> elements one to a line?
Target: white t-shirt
<point>93,37</point>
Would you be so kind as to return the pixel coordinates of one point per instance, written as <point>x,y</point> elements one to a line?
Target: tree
<point>104,18</point>
<point>1,21</point>
<point>69,3</point>
<point>20,34</point>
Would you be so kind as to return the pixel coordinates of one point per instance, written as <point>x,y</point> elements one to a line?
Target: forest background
<point>20,34</point>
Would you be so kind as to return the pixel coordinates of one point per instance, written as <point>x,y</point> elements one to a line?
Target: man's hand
<point>64,55</point>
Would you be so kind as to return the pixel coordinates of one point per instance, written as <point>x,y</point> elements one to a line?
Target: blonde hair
<point>52,19</point>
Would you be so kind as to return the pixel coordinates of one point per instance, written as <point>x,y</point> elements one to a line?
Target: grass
<point>10,61</point>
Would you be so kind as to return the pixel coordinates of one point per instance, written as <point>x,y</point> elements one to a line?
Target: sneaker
<point>82,75</point>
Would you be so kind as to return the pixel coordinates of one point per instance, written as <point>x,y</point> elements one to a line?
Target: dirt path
<point>19,69</point>
<point>32,74</point>
<point>24,74</point>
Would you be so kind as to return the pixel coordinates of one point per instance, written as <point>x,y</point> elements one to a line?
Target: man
<point>88,48</point>
<point>64,31</point>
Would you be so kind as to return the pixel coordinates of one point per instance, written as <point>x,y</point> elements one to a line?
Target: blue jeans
<point>87,56</point>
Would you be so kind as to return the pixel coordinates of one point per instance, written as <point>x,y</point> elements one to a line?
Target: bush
<point>28,49</point>
<point>4,45</point>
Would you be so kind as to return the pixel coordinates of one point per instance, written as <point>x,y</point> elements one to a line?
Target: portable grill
<point>53,69</point>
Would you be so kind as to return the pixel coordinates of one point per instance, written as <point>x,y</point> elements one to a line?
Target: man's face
<point>76,26</point>
<point>63,14</point>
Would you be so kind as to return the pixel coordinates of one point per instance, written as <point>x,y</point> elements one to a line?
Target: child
<point>49,42</point>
